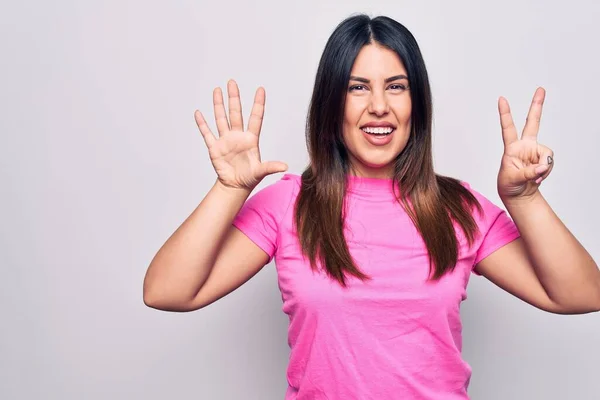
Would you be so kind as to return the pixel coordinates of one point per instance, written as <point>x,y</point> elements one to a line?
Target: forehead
<point>374,60</point>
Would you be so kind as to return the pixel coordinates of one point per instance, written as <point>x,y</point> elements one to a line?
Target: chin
<point>376,167</point>
<point>378,161</point>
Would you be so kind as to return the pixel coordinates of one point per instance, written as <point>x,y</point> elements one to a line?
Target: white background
<point>100,160</point>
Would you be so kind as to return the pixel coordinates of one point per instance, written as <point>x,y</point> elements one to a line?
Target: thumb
<point>273,167</point>
<point>534,171</point>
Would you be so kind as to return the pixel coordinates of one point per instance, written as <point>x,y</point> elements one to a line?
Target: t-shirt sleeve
<point>495,226</point>
<point>261,215</point>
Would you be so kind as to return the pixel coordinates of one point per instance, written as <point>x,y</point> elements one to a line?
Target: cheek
<point>351,120</point>
<point>403,111</point>
<point>353,111</point>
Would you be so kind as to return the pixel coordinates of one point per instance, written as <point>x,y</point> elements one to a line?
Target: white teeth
<point>378,131</point>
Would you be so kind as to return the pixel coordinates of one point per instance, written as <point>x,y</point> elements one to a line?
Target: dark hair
<point>432,201</point>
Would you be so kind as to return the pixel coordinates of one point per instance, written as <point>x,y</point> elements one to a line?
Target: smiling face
<point>377,112</point>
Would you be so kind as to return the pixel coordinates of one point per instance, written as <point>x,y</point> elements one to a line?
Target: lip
<point>379,140</point>
<point>378,124</point>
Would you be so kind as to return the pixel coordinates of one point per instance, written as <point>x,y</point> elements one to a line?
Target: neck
<point>374,173</point>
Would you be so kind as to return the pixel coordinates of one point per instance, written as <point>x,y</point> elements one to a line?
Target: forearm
<point>566,270</point>
<point>183,263</point>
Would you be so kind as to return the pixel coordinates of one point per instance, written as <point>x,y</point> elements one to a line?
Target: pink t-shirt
<point>397,336</point>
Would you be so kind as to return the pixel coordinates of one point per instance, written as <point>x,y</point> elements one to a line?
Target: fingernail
<point>550,160</point>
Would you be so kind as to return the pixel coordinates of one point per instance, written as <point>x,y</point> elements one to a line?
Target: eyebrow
<point>390,79</point>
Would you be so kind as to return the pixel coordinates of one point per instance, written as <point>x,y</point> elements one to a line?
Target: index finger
<point>509,132</point>
<point>532,126</point>
<point>258,112</point>
<point>209,137</point>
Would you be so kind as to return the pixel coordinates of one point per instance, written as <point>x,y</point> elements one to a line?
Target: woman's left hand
<point>525,162</point>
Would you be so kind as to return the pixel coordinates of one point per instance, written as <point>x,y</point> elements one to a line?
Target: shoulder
<point>288,183</point>
<point>457,190</point>
<point>490,211</point>
<point>275,197</point>
<point>284,188</point>
<point>484,201</point>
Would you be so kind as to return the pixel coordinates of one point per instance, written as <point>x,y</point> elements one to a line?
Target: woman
<point>373,249</point>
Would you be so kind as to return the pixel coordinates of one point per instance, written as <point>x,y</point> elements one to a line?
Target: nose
<point>378,104</point>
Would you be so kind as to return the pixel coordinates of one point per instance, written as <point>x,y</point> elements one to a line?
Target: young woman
<point>373,249</point>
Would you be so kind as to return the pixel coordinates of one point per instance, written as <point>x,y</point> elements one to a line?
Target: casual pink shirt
<point>397,336</point>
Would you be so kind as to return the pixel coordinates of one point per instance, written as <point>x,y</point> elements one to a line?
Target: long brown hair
<point>432,201</point>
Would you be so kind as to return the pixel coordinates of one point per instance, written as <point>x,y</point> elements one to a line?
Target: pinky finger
<point>209,137</point>
<point>547,157</point>
<point>544,171</point>
<point>543,177</point>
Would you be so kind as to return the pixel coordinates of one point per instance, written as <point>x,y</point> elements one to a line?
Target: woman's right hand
<point>235,154</point>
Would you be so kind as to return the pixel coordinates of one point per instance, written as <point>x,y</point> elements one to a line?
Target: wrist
<point>521,201</point>
<point>231,191</point>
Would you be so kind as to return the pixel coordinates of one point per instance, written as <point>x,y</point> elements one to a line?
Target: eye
<point>356,87</point>
<point>397,86</point>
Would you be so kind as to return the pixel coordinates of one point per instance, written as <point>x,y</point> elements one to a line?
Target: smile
<point>378,131</point>
<point>379,136</point>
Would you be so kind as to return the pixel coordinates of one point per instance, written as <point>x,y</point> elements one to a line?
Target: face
<point>377,112</point>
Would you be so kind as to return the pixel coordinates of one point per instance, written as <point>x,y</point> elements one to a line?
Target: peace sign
<point>525,162</point>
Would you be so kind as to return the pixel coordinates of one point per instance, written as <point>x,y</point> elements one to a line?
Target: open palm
<point>235,155</point>
<point>525,162</point>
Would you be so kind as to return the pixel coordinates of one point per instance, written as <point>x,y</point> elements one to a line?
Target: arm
<point>514,270</point>
<point>547,267</point>
<point>205,258</point>
<point>564,268</point>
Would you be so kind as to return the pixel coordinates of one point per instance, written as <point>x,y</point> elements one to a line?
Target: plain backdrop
<point>100,161</point>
